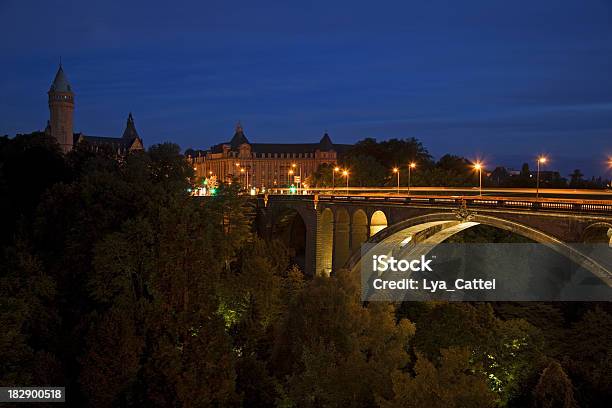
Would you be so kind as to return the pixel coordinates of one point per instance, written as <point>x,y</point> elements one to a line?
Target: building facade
<point>263,165</point>
<point>61,126</point>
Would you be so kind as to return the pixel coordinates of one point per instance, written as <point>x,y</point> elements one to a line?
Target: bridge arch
<point>599,232</point>
<point>341,238</point>
<point>378,222</point>
<point>359,229</point>
<point>401,232</point>
<point>290,227</point>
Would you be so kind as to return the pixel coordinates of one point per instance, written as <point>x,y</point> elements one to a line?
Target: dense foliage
<point>117,284</point>
<point>371,163</point>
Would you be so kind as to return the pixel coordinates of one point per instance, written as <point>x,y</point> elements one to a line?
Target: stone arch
<point>359,229</point>
<point>400,232</point>
<point>378,222</point>
<point>294,228</point>
<point>341,238</point>
<point>326,242</point>
<point>297,241</point>
<point>600,232</point>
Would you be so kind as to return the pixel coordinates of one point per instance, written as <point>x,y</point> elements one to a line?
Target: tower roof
<point>325,143</point>
<point>130,129</point>
<point>239,137</point>
<point>60,83</point>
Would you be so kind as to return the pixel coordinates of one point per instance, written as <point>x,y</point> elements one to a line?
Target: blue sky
<point>496,80</point>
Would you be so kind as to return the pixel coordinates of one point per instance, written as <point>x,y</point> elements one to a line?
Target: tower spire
<point>239,137</point>
<point>61,107</point>
<point>130,128</point>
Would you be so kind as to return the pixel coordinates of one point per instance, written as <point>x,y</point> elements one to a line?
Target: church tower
<point>61,107</point>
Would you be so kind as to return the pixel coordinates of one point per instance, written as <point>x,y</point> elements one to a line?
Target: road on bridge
<point>457,192</point>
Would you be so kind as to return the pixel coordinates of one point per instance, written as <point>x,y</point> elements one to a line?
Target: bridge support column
<point>311,247</point>
<point>341,238</point>
<point>324,249</point>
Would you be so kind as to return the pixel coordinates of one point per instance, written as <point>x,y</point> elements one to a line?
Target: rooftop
<point>60,83</point>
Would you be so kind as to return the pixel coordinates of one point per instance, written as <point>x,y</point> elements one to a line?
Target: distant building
<point>499,175</point>
<point>60,123</point>
<point>547,176</point>
<point>513,172</point>
<point>266,165</point>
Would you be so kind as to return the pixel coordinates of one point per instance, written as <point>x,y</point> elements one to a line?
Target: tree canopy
<point>118,284</point>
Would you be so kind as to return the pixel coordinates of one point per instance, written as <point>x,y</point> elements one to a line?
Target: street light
<point>345,173</point>
<point>336,169</point>
<point>478,166</point>
<point>410,167</point>
<point>299,182</point>
<point>290,173</point>
<point>541,161</point>
<point>242,170</point>
<point>396,170</point>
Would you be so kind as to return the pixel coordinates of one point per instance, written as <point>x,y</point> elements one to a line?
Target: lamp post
<point>242,170</point>
<point>541,161</point>
<point>345,173</point>
<point>240,175</point>
<point>299,182</point>
<point>336,169</point>
<point>396,170</point>
<point>478,166</point>
<point>411,166</point>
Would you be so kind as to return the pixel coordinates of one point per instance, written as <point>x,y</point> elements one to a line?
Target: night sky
<point>496,80</point>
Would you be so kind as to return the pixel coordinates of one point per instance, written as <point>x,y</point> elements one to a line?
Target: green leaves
<point>452,382</point>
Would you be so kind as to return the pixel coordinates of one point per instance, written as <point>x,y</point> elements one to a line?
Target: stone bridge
<point>327,231</point>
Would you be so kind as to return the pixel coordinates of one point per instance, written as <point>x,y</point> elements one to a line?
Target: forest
<point>120,286</point>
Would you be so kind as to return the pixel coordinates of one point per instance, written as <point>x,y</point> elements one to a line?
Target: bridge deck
<point>570,205</point>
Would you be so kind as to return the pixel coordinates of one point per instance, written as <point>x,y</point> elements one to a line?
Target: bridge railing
<point>532,204</point>
<point>592,194</point>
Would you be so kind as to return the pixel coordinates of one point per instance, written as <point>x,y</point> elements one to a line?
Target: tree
<point>29,320</point>
<point>452,383</point>
<point>448,171</point>
<point>525,172</point>
<point>508,352</point>
<point>554,388</point>
<point>370,162</point>
<point>29,165</point>
<point>588,357</point>
<point>333,350</point>
<point>112,361</point>
<point>576,178</point>
<point>364,171</point>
